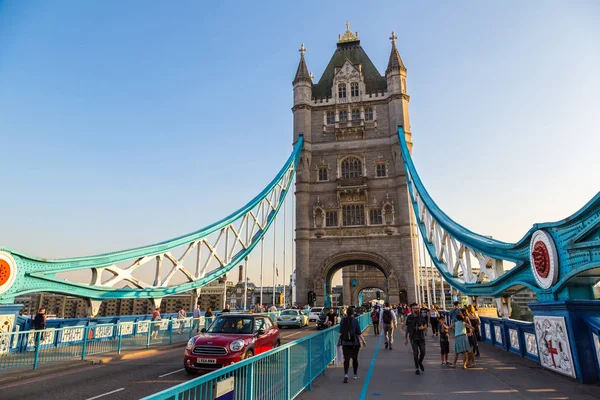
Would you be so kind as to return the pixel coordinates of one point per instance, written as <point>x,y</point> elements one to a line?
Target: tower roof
<point>395,61</point>
<point>302,71</point>
<point>352,51</point>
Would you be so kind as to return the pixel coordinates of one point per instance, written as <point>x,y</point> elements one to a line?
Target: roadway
<point>132,377</point>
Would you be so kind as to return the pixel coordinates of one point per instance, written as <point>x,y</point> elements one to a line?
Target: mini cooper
<point>229,339</point>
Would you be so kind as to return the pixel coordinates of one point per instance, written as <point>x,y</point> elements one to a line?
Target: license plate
<point>286,319</point>
<point>207,361</point>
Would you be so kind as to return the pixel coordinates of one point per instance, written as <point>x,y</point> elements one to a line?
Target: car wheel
<point>248,354</point>
<point>190,371</point>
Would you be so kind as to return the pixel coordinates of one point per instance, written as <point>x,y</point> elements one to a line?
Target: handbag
<point>339,356</point>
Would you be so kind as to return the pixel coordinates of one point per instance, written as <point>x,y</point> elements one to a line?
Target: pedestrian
<point>475,323</point>
<point>155,322</point>
<point>350,339</point>
<point>454,312</point>
<point>444,340</point>
<point>330,318</point>
<point>196,317</point>
<point>181,317</point>
<point>415,327</point>
<point>388,321</point>
<point>39,324</point>
<point>226,309</point>
<point>433,318</point>
<point>461,343</point>
<point>375,321</point>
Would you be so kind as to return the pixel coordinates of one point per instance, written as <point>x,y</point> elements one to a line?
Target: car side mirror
<point>203,330</point>
<point>260,332</point>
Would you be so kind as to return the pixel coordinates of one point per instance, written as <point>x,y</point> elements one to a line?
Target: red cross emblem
<point>552,351</point>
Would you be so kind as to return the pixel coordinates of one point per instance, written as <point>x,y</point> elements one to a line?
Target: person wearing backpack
<point>388,321</point>
<point>350,339</point>
<point>375,320</point>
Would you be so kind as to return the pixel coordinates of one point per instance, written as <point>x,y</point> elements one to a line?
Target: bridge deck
<point>498,375</point>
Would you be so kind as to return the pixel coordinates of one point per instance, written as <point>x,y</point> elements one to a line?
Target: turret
<point>396,86</point>
<point>395,72</point>
<point>302,95</point>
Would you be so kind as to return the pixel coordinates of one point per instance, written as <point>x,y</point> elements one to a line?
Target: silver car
<point>292,318</point>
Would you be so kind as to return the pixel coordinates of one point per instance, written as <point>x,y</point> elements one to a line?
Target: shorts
<point>444,347</point>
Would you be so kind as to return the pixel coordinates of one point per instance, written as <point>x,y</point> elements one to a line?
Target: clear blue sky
<point>124,124</point>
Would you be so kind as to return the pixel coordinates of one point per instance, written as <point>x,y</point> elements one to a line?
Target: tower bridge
<point>359,201</point>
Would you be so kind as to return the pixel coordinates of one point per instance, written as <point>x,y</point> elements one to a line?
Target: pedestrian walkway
<point>386,374</point>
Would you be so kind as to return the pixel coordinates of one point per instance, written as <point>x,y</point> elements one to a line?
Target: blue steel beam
<point>576,240</point>
<point>28,274</point>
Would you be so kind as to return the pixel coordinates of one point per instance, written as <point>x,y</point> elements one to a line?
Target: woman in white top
<point>433,314</point>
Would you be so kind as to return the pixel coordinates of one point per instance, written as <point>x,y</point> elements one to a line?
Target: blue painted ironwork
<point>282,373</point>
<point>515,336</point>
<point>244,227</point>
<point>577,241</point>
<point>79,341</point>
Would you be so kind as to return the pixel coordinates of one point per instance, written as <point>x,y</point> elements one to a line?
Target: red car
<point>229,339</point>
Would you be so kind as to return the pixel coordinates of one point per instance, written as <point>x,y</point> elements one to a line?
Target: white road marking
<point>170,373</point>
<point>105,394</point>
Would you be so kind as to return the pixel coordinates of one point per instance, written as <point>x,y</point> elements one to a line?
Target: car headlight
<point>237,345</point>
<point>190,344</point>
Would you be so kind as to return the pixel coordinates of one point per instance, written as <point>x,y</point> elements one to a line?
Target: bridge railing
<point>30,348</point>
<point>511,335</point>
<point>282,373</point>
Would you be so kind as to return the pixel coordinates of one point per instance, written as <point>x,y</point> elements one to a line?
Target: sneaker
<point>417,372</point>
<point>422,367</point>
<point>390,347</point>
<point>355,377</point>
<point>386,345</point>
<point>345,379</point>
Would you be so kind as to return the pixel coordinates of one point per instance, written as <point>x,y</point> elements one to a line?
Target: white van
<point>314,313</point>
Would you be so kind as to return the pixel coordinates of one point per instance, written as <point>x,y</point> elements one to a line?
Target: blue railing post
<point>171,331</point>
<point>324,354</point>
<point>250,381</point>
<point>86,331</point>
<point>37,349</point>
<point>119,339</point>
<point>150,327</point>
<point>288,374</point>
<point>310,376</point>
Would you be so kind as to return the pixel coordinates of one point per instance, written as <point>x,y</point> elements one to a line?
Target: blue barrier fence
<point>282,373</point>
<point>33,347</point>
<point>511,335</point>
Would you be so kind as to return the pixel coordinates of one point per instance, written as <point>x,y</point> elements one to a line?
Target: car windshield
<point>290,312</point>
<point>316,310</point>
<point>231,324</point>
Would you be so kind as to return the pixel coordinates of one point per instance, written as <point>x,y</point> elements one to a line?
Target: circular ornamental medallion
<point>8,271</point>
<point>544,259</point>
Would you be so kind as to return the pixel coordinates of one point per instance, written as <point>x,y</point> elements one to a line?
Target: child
<point>444,340</point>
<point>461,343</point>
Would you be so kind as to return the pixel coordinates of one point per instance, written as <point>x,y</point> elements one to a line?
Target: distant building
<point>212,294</point>
<point>235,294</point>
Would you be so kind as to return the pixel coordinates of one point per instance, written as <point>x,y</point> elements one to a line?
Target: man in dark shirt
<point>39,323</point>
<point>415,326</point>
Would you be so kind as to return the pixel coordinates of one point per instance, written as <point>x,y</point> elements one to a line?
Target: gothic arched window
<point>322,173</point>
<point>368,114</point>
<point>351,167</point>
<point>342,90</point>
<point>355,114</point>
<point>354,89</point>
<point>330,118</point>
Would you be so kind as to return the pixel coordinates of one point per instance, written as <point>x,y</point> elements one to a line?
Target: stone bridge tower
<point>352,203</point>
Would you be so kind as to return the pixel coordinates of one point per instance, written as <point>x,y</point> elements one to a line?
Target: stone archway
<point>368,285</point>
<point>323,278</point>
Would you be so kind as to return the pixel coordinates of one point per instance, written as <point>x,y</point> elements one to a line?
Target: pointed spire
<point>302,72</point>
<point>395,60</point>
